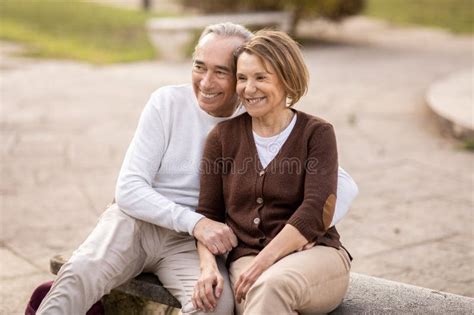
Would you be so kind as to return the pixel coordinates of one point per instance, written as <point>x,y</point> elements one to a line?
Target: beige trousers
<point>312,281</point>
<point>118,249</point>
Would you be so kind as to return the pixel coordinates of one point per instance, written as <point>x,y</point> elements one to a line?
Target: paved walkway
<point>65,127</point>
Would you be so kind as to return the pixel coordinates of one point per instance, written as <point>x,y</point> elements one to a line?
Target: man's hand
<point>217,237</point>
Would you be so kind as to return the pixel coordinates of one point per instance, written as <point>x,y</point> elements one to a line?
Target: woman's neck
<point>273,124</point>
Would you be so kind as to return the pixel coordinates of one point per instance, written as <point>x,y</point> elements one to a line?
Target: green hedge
<point>332,9</point>
<point>75,29</point>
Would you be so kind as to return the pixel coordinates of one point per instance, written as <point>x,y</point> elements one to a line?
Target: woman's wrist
<point>208,265</point>
<point>207,260</point>
<point>266,258</point>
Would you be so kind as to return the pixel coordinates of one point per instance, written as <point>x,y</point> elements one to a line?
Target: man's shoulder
<point>174,93</point>
<point>234,123</point>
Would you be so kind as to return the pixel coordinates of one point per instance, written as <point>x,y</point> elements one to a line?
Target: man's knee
<point>79,267</point>
<point>225,304</point>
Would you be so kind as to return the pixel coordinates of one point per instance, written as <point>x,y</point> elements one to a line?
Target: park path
<point>66,125</point>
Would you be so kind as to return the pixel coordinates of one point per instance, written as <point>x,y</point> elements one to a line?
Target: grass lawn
<point>76,29</point>
<point>454,15</point>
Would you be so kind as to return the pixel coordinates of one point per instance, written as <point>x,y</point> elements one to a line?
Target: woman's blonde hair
<point>284,55</point>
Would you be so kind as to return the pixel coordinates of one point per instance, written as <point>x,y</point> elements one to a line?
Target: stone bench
<point>366,295</point>
<point>137,296</point>
<point>174,36</point>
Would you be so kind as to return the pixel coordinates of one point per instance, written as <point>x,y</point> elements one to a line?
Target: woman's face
<point>258,86</point>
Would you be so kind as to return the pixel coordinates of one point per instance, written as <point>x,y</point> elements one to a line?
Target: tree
<point>146,5</point>
<point>331,9</point>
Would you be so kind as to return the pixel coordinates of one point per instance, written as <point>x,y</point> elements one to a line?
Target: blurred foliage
<point>454,15</point>
<point>331,9</point>
<point>76,30</point>
<point>468,144</point>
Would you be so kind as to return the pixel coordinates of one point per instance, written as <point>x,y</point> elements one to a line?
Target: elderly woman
<point>271,176</point>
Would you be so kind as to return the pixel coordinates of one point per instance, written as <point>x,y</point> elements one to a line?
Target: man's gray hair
<point>227,29</point>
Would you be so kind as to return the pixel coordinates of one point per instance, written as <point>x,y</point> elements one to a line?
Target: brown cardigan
<point>298,187</point>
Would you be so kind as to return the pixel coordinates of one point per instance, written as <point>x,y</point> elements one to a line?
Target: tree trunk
<point>146,5</point>
<point>295,19</point>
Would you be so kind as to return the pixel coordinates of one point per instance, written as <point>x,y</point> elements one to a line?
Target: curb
<point>451,100</point>
<point>372,295</point>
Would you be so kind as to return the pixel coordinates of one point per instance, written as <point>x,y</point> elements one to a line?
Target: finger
<point>203,296</point>
<point>309,245</point>
<point>193,300</point>
<point>213,249</point>
<point>219,287</point>
<point>233,238</point>
<point>220,247</point>
<point>199,305</point>
<point>238,290</point>
<point>227,244</point>
<point>244,290</point>
<point>210,299</point>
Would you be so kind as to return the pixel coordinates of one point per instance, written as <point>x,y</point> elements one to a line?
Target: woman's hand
<point>288,240</point>
<point>208,289</point>
<point>307,246</point>
<point>248,277</point>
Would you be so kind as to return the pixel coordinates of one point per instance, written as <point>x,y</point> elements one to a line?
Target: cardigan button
<point>261,173</point>
<point>256,221</point>
<point>259,200</point>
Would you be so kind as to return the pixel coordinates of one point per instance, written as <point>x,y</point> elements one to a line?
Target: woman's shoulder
<point>233,124</point>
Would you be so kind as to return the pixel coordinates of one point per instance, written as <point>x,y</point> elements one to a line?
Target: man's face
<point>213,77</point>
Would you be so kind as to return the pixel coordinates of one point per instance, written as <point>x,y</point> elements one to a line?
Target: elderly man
<point>153,225</point>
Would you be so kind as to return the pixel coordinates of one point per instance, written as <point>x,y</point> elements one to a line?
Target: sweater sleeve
<point>134,193</point>
<point>347,190</point>
<point>211,196</point>
<point>313,217</point>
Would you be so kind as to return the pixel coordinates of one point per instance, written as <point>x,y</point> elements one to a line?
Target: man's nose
<point>207,79</point>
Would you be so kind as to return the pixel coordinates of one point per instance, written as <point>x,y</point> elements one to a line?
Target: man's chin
<point>208,107</point>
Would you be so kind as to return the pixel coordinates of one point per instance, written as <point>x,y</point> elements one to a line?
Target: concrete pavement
<point>65,127</point>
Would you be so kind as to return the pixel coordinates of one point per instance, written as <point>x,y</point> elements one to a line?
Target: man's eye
<point>198,68</point>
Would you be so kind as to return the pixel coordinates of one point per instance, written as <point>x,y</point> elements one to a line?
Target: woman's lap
<point>310,281</point>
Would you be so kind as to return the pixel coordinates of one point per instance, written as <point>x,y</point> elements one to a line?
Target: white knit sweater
<point>159,178</point>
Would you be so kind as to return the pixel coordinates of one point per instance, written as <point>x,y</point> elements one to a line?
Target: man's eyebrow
<point>227,69</point>
<point>218,67</point>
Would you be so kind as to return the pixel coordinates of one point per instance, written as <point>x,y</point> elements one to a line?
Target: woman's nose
<point>250,87</point>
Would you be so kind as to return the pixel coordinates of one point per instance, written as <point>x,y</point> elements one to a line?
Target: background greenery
<point>76,29</point>
<point>454,15</point>
<point>101,34</point>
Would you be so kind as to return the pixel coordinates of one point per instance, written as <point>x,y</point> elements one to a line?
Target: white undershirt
<point>268,147</point>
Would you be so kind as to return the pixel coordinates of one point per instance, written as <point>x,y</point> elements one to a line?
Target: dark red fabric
<point>41,291</point>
